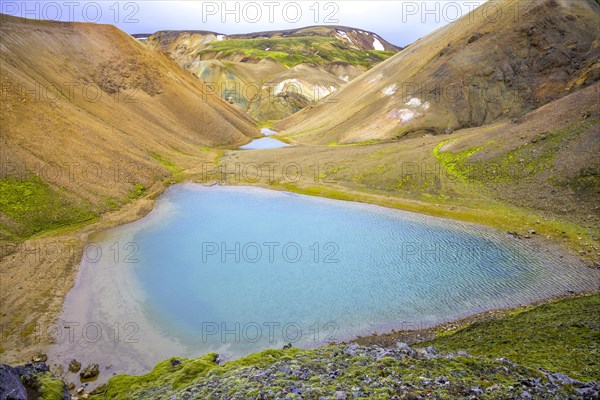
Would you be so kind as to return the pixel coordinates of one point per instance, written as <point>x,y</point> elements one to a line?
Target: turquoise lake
<point>240,269</point>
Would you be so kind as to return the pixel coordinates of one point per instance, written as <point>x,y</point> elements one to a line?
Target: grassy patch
<point>35,207</point>
<point>455,163</point>
<point>562,336</point>
<point>523,162</point>
<point>137,191</point>
<point>363,143</point>
<point>299,50</point>
<point>174,169</point>
<point>172,373</point>
<point>176,373</point>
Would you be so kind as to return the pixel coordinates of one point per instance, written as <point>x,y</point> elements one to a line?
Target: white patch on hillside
<point>407,115</point>
<point>415,110</point>
<point>220,37</point>
<point>288,85</point>
<point>343,34</point>
<point>377,44</point>
<point>418,103</point>
<point>322,91</point>
<point>345,78</point>
<point>414,102</point>
<point>390,90</point>
<point>267,49</point>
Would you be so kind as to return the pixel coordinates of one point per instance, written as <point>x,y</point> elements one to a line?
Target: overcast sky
<point>400,22</point>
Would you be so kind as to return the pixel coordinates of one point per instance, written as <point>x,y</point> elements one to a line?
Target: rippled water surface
<point>237,269</point>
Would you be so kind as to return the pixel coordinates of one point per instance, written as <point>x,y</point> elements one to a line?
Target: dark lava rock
<point>16,381</point>
<point>11,387</point>
<point>28,370</point>
<point>589,390</point>
<point>404,348</point>
<point>175,362</point>
<point>563,379</point>
<point>74,366</point>
<point>91,371</point>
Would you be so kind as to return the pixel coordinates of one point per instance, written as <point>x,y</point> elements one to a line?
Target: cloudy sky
<point>398,21</point>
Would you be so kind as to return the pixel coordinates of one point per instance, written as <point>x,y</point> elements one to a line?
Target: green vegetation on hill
<point>298,50</point>
<point>35,207</point>
<point>522,162</point>
<point>562,336</point>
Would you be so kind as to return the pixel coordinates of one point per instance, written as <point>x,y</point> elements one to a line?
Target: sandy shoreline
<point>39,273</point>
<point>36,279</point>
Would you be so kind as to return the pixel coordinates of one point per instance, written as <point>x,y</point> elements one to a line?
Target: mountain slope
<point>90,117</point>
<point>271,75</point>
<point>469,73</point>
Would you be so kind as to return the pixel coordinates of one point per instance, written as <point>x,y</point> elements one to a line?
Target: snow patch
<point>407,115</point>
<point>418,103</point>
<point>414,102</point>
<point>390,90</point>
<point>377,44</point>
<point>343,34</point>
<point>220,37</point>
<point>415,110</point>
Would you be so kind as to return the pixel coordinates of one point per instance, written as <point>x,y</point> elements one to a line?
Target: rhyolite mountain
<point>475,71</point>
<point>271,75</point>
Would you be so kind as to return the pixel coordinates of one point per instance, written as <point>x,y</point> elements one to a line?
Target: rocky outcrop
<point>352,371</point>
<point>11,386</point>
<point>89,372</point>
<point>74,366</point>
<point>30,381</point>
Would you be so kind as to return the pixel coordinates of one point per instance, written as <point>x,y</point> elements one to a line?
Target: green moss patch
<point>166,163</point>
<point>562,336</point>
<point>36,207</point>
<point>298,50</point>
<point>169,374</point>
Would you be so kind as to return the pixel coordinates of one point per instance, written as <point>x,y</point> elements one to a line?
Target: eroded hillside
<point>90,117</point>
<point>473,72</point>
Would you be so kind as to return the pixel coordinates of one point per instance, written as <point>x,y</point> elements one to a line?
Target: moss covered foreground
<point>561,336</point>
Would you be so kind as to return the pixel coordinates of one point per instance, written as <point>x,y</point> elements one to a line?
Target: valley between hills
<point>496,124</point>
